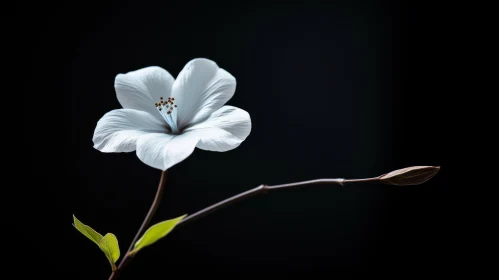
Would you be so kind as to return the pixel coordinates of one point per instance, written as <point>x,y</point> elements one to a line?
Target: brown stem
<point>407,176</point>
<point>226,202</point>
<point>265,188</point>
<point>157,199</point>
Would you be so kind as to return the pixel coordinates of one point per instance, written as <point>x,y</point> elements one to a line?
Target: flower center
<point>167,109</point>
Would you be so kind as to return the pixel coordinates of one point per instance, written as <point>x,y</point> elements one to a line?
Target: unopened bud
<point>410,176</point>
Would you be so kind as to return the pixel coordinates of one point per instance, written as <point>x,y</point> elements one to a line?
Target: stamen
<point>168,112</point>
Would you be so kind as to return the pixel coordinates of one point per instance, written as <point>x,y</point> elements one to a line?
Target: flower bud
<point>414,175</point>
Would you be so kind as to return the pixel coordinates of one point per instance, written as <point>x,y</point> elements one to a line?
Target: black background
<point>347,89</point>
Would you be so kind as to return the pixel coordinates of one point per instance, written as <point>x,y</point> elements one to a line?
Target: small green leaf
<point>89,232</point>
<point>155,233</point>
<point>108,244</point>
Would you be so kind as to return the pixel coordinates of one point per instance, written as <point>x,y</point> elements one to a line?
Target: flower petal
<point>163,151</point>
<point>118,130</point>
<point>200,89</point>
<point>224,130</point>
<point>140,89</point>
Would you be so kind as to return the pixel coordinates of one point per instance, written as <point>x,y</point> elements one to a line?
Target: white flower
<point>164,119</point>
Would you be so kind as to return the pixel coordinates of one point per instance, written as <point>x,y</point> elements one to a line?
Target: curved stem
<point>145,223</point>
<point>222,203</point>
<point>408,176</point>
<point>264,188</point>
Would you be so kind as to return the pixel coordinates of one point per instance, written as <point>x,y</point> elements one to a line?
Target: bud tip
<point>414,175</point>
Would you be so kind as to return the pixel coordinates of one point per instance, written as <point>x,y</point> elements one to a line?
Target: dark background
<point>347,89</point>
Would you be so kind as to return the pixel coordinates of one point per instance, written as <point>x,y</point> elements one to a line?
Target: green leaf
<point>155,233</point>
<point>108,244</point>
<point>89,232</point>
